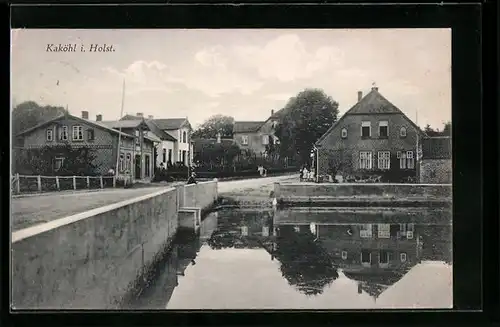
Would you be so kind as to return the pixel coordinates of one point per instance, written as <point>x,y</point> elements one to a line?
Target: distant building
<point>374,137</point>
<point>257,135</point>
<point>103,139</point>
<point>181,130</point>
<point>436,164</point>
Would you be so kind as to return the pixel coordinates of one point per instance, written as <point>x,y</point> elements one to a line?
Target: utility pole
<point>120,131</point>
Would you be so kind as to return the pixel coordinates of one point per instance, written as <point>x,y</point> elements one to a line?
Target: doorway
<point>137,167</point>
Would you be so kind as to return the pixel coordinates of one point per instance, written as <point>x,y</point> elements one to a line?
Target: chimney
<point>98,118</point>
<point>218,137</point>
<point>85,114</point>
<point>360,95</point>
<point>272,112</point>
<point>139,114</point>
<point>150,117</point>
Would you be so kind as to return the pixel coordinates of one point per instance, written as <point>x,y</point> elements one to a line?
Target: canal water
<point>308,259</point>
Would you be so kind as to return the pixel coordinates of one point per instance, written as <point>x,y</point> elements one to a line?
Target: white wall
<point>167,145</point>
<point>180,146</point>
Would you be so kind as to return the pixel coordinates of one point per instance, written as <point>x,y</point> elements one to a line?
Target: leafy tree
<point>306,118</point>
<point>304,262</point>
<point>29,113</point>
<point>447,129</point>
<point>213,125</point>
<point>436,132</point>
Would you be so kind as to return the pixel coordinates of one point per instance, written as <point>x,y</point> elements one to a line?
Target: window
<point>366,257</point>
<point>344,255</point>
<point>384,230</point>
<point>313,228</point>
<point>410,161</point>
<point>365,160</point>
<point>244,139</point>
<point>50,134</point>
<point>402,132</point>
<point>244,230</point>
<point>296,228</point>
<point>384,257</point>
<point>184,156</point>
<point>409,232</point>
<point>265,231</point>
<point>164,155</point>
<point>265,140</point>
<point>275,123</point>
<point>170,155</point>
<point>366,129</point>
<point>402,159</point>
<point>121,163</point>
<point>77,133</point>
<point>63,133</point>
<point>402,257</point>
<point>90,134</point>
<point>128,163</point>
<point>344,133</point>
<point>384,160</point>
<point>180,155</point>
<point>383,129</point>
<point>184,137</point>
<point>365,231</point>
<point>58,163</point>
<point>137,137</point>
<point>147,166</point>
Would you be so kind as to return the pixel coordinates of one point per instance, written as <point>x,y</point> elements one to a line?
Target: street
<point>31,210</point>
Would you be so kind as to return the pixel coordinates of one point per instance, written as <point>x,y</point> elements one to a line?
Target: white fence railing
<point>37,183</point>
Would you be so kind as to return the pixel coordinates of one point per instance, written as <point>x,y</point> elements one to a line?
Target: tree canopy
<point>446,131</point>
<point>29,113</point>
<point>213,125</point>
<point>306,117</point>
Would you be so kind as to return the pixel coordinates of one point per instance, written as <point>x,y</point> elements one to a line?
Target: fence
<point>29,183</point>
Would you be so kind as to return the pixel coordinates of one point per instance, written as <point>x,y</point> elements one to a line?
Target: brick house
<point>436,163</point>
<point>256,135</point>
<point>81,131</point>
<point>167,143</point>
<point>181,130</point>
<point>373,138</point>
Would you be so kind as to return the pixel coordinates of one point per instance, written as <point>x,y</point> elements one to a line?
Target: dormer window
<point>344,133</point>
<point>244,140</point>
<point>402,132</point>
<point>383,129</point>
<point>366,129</point>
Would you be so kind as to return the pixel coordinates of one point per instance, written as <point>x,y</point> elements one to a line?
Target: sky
<point>242,73</point>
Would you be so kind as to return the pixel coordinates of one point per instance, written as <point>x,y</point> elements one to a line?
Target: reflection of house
<point>373,136</point>
<point>103,139</point>
<point>256,135</point>
<point>436,166</point>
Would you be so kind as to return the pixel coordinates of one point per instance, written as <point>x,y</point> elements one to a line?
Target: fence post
<point>74,182</point>
<point>88,182</point>
<point>114,181</point>
<point>39,181</point>
<point>18,184</point>
<point>57,183</point>
<point>102,185</point>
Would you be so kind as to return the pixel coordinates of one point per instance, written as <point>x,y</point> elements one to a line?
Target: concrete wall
<point>91,260</point>
<point>436,171</point>
<point>312,190</point>
<point>201,195</point>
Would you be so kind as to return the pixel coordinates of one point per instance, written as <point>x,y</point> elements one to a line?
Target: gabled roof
<point>85,121</point>
<point>171,123</point>
<point>153,127</point>
<point>247,126</point>
<point>375,283</point>
<point>123,123</point>
<point>436,148</point>
<point>372,103</point>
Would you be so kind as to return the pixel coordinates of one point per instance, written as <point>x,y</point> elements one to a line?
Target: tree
<point>306,117</point>
<point>214,125</point>
<point>447,129</point>
<point>436,132</point>
<point>28,114</point>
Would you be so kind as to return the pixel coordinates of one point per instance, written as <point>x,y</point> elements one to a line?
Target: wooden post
<point>102,185</point>
<point>88,182</point>
<point>39,181</point>
<point>18,184</point>
<point>74,182</point>
<point>114,181</point>
<point>57,183</point>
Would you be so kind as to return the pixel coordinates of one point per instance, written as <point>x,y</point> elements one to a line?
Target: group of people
<point>306,174</point>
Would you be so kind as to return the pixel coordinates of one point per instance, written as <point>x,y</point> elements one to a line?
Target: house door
<point>147,167</point>
<point>137,167</point>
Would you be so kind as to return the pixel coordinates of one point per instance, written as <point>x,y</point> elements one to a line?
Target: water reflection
<point>330,258</point>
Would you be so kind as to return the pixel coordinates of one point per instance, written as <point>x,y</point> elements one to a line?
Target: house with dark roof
<point>181,130</point>
<point>257,135</point>
<point>436,163</point>
<point>81,131</point>
<point>373,138</point>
